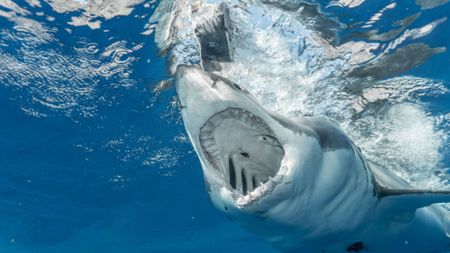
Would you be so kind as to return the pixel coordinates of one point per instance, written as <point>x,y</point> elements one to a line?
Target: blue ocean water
<point>91,159</point>
<point>93,156</point>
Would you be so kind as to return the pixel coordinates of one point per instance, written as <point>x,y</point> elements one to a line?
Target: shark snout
<point>190,77</point>
<point>183,69</point>
<point>194,86</point>
<point>185,84</point>
<point>190,72</point>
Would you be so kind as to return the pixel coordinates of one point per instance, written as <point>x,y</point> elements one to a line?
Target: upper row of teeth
<point>213,154</point>
<point>235,113</point>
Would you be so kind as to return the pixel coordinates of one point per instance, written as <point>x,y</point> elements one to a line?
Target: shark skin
<point>302,184</point>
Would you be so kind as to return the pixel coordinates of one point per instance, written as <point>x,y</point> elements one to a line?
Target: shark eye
<point>269,140</point>
<point>237,86</point>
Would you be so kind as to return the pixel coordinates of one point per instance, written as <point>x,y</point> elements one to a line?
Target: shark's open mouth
<point>242,148</point>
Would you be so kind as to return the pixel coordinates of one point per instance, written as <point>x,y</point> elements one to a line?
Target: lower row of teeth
<point>242,180</point>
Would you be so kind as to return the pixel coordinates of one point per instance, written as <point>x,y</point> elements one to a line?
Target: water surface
<point>93,154</point>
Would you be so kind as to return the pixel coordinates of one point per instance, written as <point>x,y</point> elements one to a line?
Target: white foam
<point>292,70</point>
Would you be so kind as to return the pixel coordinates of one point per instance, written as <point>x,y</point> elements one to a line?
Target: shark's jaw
<point>233,136</point>
<point>242,149</point>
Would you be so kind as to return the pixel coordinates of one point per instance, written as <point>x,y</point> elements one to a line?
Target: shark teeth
<point>245,181</point>
<point>212,151</point>
<point>264,189</point>
<point>235,113</point>
<point>239,179</point>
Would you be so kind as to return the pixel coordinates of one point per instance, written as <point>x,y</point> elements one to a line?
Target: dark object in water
<point>355,247</point>
<point>214,39</point>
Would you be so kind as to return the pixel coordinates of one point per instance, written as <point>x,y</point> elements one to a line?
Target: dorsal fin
<point>398,196</point>
<point>214,37</point>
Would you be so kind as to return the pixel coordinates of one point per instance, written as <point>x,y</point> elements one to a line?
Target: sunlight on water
<point>77,127</point>
<point>58,78</point>
<point>94,157</point>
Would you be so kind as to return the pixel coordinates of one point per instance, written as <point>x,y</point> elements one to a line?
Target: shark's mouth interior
<point>242,147</point>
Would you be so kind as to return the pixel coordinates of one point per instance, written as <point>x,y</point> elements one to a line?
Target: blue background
<point>120,177</point>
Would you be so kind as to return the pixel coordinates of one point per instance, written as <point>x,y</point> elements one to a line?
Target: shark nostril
<point>245,154</point>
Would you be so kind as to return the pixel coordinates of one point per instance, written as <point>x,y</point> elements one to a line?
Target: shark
<point>302,184</point>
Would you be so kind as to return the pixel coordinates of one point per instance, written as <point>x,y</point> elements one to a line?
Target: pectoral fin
<point>397,196</point>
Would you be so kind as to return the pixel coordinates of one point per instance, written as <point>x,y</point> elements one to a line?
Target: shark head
<point>264,171</point>
<point>234,137</point>
<point>232,134</point>
<point>245,151</point>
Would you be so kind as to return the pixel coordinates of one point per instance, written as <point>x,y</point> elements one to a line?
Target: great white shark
<point>302,184</point>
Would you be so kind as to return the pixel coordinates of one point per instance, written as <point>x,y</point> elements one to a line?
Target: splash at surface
<point>302,58</point>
